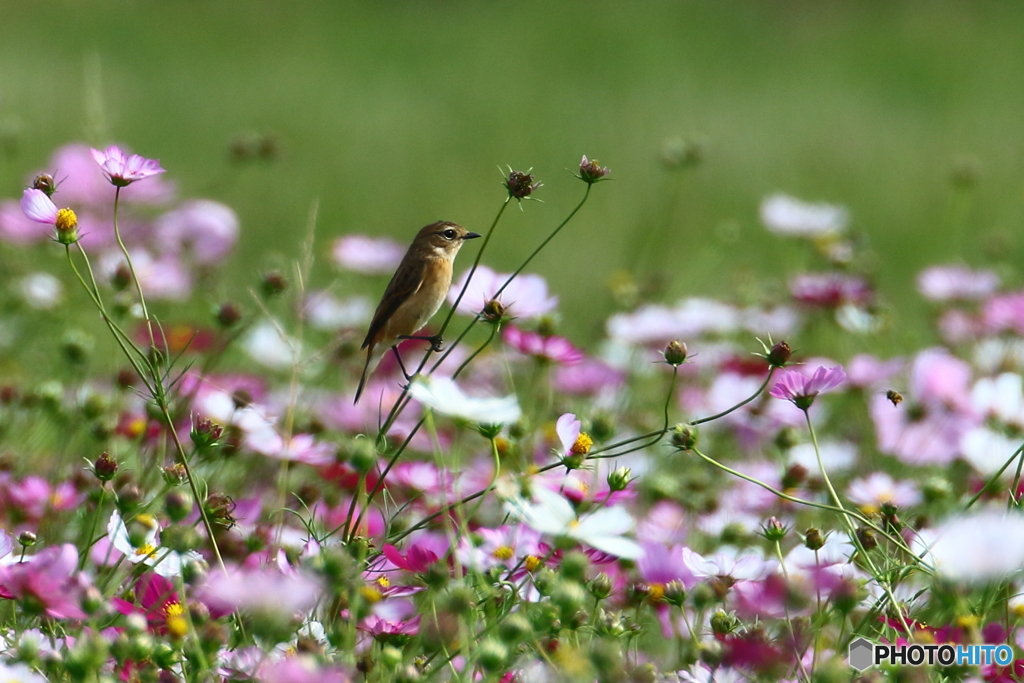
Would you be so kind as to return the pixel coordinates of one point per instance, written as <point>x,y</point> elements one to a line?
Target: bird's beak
<point>471,235</point>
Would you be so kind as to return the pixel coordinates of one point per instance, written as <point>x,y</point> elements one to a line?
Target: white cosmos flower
<point>550,513</point>
<point>785,215</point>
<point>976,547</point>
<point>164,561</point>
<point>444,395</point>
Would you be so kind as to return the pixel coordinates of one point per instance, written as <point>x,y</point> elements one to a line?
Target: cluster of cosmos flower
<point>678,501</point>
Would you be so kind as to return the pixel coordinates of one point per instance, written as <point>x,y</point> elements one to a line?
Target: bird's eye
<point>449,233</point>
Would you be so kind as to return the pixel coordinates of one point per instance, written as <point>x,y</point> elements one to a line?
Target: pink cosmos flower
<point>16,227</point>
<point>525,297</point>
<point>122,169</point>
<point>801,390</point>
<point>1004,312</point>
<point>947,283</point>
<point>367,255</point>
<point>658,325</point>
<point>49,582</point>
<point>554,348</point>
<point>38,207</point>
<point>298,448</point>
<point>301,668</point>
<point>879,488</point>
<point>264,591</point>
<point>589,376</point>
<point>830,290</point>
<point>208,230</point>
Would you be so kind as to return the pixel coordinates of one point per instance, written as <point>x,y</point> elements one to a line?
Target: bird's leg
<point>398,357</point>
<point>436,341</point>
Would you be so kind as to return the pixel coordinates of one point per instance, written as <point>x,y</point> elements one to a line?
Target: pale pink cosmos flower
<point>16,227</point>
<point>553,348</point>
<point>505,547</point>
<point>785,215</point>
<point>589,376</point>
<point>38,207</point>
<point>1004,312</point>
<point>690,318</point>
<point>49,579</point>
<point>801,390</point>
<point>879,488</point>
<point>525,297</point>
<point>728,562</point>
<point>123,169</point>
<point>367,255</point>
<point>302,448</point>
<point>865,370</point>
<point>948,283</point>
<point>161,276</point>
<point>567,427</point>
<point>302,668</point>
<point>206,229</point>
<point>264,591</point>
<point>830,290</point>
<point>82,181</point>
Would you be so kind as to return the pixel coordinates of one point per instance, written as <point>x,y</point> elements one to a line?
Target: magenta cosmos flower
<point>122,169</point>
<point>554,348</point>
<point>801,389</point>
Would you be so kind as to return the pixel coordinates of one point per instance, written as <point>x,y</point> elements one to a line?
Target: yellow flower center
<point>177,624</point>
<point>503,553</point>
<point>384,582</point>
<point>657,592</point>
<point>582,444</point>
<point>66,220</point>
<point>146,550</point>
<point>370,594</point>
<point>531,562</point>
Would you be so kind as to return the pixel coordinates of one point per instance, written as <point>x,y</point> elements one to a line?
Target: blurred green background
<point>393,114</point>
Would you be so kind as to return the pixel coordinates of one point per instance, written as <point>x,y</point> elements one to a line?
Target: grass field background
<point>390,115</point>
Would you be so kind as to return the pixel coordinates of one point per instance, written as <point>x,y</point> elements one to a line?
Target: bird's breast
<point>422,304</point>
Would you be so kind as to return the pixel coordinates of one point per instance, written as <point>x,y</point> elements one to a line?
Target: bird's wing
<point>406,281</point>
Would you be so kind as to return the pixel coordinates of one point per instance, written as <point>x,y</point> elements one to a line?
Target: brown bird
<point>416,291</point>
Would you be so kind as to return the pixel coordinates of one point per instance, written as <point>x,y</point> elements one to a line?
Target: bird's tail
<point>371,365</point>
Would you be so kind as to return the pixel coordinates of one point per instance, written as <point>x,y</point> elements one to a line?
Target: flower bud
<point>619,479</point>
<point>206,433</point>
<point>813,539</point>
<point>227,315</point>
<point>590,171</point>
<point>105,467</point>
<point>684,437</point>
<point>178,505</point>
<point>174,475</point>
<point>515,629</point>
<point>600,586</point>
<point>723,623</point>
<point>44,183</point>
<point>362,456</point>
<point>520,185</point>
<point>493,312</point>
<point>574,566</point>
<point>121,278</point>
<point>27,539</point>
<point>773,530</point>
<point>867,538</point>
<point>675,593</point>
<point>675,353</point>
<point>794,475</point>
<point>779,355</point>
<point>491,654</point>
<point>219,509</point>
<point>272,284</point>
